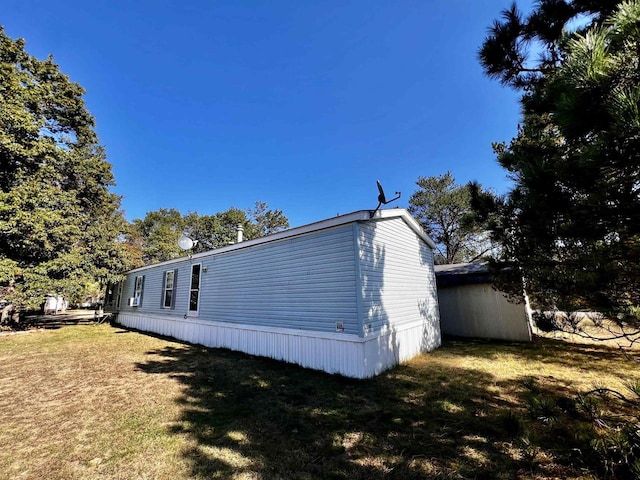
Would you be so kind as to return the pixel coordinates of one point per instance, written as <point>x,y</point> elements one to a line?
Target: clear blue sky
<point>204,105</point>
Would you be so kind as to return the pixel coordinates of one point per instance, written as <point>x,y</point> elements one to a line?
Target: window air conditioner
<point>134,301</point>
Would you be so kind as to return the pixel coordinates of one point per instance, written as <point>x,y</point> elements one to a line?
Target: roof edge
<point>357,216</point>
<point>409,220</point>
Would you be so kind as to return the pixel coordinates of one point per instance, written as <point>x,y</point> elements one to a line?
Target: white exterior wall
<point>343,354</point>
<point>478,310</point>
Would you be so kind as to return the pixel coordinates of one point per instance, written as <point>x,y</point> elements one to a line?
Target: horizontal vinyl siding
<point>305,282</point>
<point>281,299</point>
<point>397,280</point>
<point>152,293</point>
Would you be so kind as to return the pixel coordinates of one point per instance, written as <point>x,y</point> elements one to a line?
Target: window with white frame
<point>137,291</point>
<point>194,292</point>
<point>169,288</point>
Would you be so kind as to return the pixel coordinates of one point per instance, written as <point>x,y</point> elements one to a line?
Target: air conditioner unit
<point>134,301</point>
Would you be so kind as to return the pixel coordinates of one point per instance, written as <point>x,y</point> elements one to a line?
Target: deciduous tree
<point>160,230</point>
<point>60,225</point>
<point>265,221</point>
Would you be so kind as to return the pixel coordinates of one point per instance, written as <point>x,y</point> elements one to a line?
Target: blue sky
<point>204,105</point>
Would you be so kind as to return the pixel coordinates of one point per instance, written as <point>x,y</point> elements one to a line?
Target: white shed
<point>352,295</point>
<point>470,305</point>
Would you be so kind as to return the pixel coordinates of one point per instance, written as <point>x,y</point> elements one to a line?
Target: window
<point>194,293</point>
<point>169,283</point>
<point>137,291</point>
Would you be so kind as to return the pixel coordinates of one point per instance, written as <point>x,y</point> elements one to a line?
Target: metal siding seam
<point>358,286</point>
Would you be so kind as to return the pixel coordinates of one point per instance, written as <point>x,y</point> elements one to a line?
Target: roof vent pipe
<point>239,229</point>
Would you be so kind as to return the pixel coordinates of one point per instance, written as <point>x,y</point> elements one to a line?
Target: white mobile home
<point>352,295</point>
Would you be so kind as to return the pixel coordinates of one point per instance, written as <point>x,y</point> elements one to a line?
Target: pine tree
<point>443,208</point>
<point>571,224</point>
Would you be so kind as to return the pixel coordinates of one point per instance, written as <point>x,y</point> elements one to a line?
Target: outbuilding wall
<point>478,310</point>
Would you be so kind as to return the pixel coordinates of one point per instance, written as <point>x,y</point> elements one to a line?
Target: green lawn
<point>97,402</point>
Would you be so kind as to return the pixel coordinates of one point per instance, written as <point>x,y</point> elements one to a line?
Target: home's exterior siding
<point>306,282</point>
<point>398,288</point>
<point>153,290</point>
<point>397,276</point>
<point>282,296</point>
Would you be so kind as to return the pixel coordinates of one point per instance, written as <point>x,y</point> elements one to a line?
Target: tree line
<point>62,230</point>
<point>158,232</point>
<point>569,228</point>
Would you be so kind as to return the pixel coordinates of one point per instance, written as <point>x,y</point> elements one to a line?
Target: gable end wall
<point>398,289</point>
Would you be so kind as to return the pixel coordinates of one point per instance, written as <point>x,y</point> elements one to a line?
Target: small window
<point>137,291</point>
<point>169,282</point>
<point>194,293</point>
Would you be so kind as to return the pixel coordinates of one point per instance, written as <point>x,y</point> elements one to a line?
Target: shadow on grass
<point>258,418</point>
<point>53,322</point>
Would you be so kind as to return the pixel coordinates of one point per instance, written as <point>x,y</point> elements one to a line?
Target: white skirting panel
<point>345,354</point>
<point>394,346</point>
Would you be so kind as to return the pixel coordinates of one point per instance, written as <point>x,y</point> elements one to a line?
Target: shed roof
<point>462,274</point>
<point>358,216</point>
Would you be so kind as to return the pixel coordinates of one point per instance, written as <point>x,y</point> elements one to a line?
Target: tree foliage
<point>61,228</point>
<point>159,231</point>
<point>263,221</point>
<point>158,234</point>
<point>443,209</point>
<point>571,224</point>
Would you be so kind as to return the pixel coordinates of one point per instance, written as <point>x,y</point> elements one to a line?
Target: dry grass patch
<point>95,402</point>
<point>76,406</point>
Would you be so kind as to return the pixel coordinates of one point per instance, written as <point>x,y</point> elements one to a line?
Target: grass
<point>97,402</point>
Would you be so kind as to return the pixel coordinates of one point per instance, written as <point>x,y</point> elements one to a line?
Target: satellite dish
<point>382,198</point>
<point>185,242</point>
